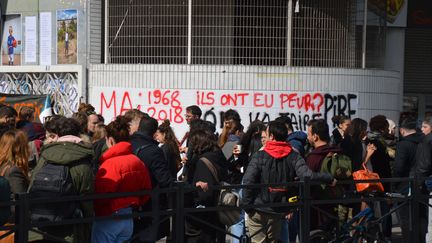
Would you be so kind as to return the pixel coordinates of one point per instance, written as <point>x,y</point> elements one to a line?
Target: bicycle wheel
<point>319,236</point>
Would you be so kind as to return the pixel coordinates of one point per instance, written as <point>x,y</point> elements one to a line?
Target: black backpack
<point>53,181</point>
<point>281,171</point>
<point>5,197</point>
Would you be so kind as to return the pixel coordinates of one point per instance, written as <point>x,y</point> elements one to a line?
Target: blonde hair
<point>15,150</point>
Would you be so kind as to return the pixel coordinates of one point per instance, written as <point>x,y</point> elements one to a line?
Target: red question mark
<point>321,101</point>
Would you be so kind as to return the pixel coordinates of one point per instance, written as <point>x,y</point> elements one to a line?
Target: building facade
<point>302,58</point>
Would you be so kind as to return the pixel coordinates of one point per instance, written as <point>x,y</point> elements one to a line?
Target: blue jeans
<point>113,230</point>
<point>237,229</point>
<point>284,231</point>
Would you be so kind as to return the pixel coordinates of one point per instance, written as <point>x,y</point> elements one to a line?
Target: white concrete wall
<point>379,92</point>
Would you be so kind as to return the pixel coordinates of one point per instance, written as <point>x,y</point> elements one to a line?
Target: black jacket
<point>202,173</point>
<point>424,157</point>
<point>147,149</point>
<point>406,155</point>
<point>380,159</point>
<point>354,150</point>
<point>171,157</point>
<point>258,173</point>
<point>17,180</point>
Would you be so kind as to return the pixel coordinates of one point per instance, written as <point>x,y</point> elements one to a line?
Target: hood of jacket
<point>414,138</point>
<point>66,152</point>
<point>119,149</point>
<point>299,136</point>
<point>277,149</point>
<point>141,138</point>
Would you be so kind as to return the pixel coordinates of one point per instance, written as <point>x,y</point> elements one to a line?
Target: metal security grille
<point>323,33</point>
<point>147,32</point>
<point>252,32</point>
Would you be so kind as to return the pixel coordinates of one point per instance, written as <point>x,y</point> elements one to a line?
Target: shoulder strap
<point>211,167</point>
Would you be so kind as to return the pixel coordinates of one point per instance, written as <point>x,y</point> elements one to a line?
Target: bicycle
<point>362,228</point>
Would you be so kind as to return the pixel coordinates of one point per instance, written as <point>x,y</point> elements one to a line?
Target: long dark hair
<point>170,139</point>
<point>357,128</point>
<point>252,134</point>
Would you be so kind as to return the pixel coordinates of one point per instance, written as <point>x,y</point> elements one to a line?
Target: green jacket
<point>68,153</point>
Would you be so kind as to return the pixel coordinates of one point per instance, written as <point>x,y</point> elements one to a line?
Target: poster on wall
<point>30,39</point>
<point>171,104</point>
<point>67,36</point>
<point>45,37</point>
<point>11,48</point>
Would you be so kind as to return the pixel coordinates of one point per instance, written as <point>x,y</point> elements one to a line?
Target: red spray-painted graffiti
<point>264,105</point>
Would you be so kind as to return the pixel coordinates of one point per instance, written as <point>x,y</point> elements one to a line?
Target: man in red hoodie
<point>277,153</point>
<point>319,138</point>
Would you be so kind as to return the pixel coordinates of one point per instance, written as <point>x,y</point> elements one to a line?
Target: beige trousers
<point>264,227</point>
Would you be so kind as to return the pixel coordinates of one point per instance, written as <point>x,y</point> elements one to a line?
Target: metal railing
<point>179,212</point>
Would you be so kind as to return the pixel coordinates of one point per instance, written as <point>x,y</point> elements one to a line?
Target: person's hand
<point>370,149</point>
<point>237,150</point>
<point>289,216</point>
<point>183,158</point>
<point>333,184</point>
<point>202,185</point>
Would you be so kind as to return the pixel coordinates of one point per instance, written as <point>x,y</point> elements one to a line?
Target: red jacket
<point>120,171</point>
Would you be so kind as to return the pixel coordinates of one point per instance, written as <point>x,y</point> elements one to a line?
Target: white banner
<point>251,105</point>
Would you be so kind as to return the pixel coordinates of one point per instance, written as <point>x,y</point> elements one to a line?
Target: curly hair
<point>118,129</point>
<point>202,141</point>
<point>379,123</point>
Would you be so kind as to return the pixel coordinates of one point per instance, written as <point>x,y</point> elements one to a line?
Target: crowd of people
<point>82,155</point>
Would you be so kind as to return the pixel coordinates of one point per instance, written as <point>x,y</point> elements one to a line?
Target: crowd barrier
<point>178,212</point>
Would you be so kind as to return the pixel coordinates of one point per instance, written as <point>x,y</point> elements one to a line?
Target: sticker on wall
<point>11,48</point>
<point>67,36</point>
